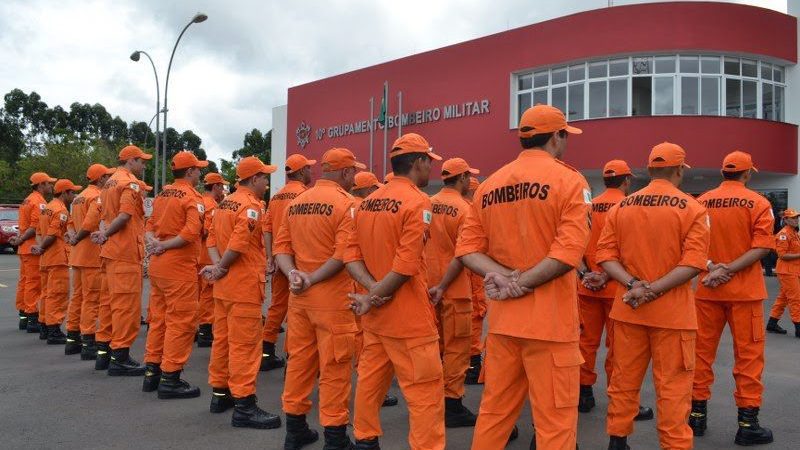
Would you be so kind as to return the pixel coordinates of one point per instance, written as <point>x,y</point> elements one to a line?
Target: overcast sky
<point>230,71</point>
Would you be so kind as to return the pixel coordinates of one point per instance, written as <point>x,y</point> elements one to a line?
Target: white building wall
<point>792,105</point>
<point>279,125</point>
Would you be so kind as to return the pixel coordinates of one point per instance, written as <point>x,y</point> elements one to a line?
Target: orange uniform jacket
<point>601,205</point>
<point>786,241</point>
<point>209,204</point>
<point>323,216</point>
<point>86,253</point>
<point>53,222</point>
<point>399,213</point>
<point>122,195</point>
<point>177,211</point>
<point>532,208</point>
<point>278,204</point>
<point>32,207</point>
<point>449,212</point>
<point>746,222</point>
<point>626,239</point>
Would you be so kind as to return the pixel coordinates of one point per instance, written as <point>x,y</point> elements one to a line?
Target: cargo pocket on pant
<point>425,363</point>
<point>58,284</point>
<point>126,280</point>
<point>688,341</point>
<point>758,323</point>
<point>566,373</point>
<point>246,328</point>
<point>262,285</point>
<point>343,341</point>
<point>462,318</point>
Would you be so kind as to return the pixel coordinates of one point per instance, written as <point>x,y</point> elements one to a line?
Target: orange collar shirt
<point>122,195</point>
<point>32,207</point>
<point>533,208</point>
<point>601,205</point>
<point>209,204</point>
<point>178,210</point>
<point>317,227</point>
<point>787,241</point>
<point>86,253</point>
<point>741,220</point>
<point>277,206</point>
<point>53,222</point>
<point>237,225</point>
<point>650,233</point>
<point>391,227</point>
<point>449,213</point>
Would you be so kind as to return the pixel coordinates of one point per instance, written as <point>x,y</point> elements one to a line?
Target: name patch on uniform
<point>782,237</point>
<point>201,208</point>
<point>135,187</point>
<point>587,196</point>
<point>252,214</point>
<point>427,216</point>
<point>42,206</point>
<point>353,213</point>
<point>63,217</point>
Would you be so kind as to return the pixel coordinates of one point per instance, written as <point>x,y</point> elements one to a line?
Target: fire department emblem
<point>303,134</point>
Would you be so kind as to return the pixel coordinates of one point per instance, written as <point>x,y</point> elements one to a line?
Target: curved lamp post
<point>135,57</point>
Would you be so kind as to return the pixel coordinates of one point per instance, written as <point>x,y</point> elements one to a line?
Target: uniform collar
<point>662,182</point>
<point>295,182</point>
<point>615,191</point>
<point>402,179</point>
<point>59,202</point>
<point>450,191</point>
<point>182,181</point>
<point>91,187</point>
<point>38,195</point>
<point>123,169</point>
<point>209,195</point>
<point>535,153</point>
<point>732,183</point>
<point>246,190</point>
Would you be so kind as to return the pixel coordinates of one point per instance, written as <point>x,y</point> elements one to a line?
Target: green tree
<point>256,144</point>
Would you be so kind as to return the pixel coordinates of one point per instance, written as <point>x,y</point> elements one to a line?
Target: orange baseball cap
<point>616,168</point>
<point>412,143</point>
<point>667,154</point>
<point>339,158</point>
<point>65,185</point>
<point>789,212</point>
<point>456,166</point>
<point>297,162</point>
<point>542,119</point>
<point>132,151</point>
<point>365,180</point>
<point>473,183</point>
<point>214,178</point>
<point>250,166</point>
<point>41,177</point>
<point>388,177</point>
<point>186,159</point>
<point>95,171</point>
<point>738,161</point>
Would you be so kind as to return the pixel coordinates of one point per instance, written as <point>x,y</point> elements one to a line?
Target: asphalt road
<point>53,401</point>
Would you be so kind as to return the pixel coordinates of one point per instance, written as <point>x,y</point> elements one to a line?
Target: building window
<point>683,84</point>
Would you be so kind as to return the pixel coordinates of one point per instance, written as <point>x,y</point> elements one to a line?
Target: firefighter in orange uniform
<point>298,176</point>
<point>173,241</point>
<point>733,292</point>
<point>532,345</point>
<point>473,375</point>
<point>399,323</point>
<point>53,250</point>
<point>214,187</point>
<point>236,247</point>
<point>655,318</point>
<point>787,245</point>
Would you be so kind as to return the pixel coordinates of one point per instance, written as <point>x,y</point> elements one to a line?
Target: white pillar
<point>279,121</point>
<point>792,106</point>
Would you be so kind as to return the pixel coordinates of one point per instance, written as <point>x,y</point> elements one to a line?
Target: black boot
<point>456,414</point>
<point>698,418</point>
<point>55,336</point>
<point>221,400</point>
<point>269,360</point>
<point>773,327</point>
<point>750,432</point>
<point>389,400</point>
<point>797,329</point>
<point>586,400</point>
<point>514,434</point>
<point>618,443</point>
<point>44,331</point>
<point>336,439</point>
<point>88,347</point>
<point>171,386</point>
<point>246,413</point>
<point>23,320</point>
<point>73,346</point>
<point>103,358</point>
<point>368,444</point>
<point>122,365</point>
<point>298,435</point>
<point>204,335</point>
<point>33,323</point>
<point>474,370</point>
<point>152,376</point>
<point>645,413</point>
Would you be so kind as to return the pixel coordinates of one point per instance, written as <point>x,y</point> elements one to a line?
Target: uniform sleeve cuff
<point>763,242</point>
<point>567,257</point>
<point>407,268</point>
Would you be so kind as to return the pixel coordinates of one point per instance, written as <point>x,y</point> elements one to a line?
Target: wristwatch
<point>631,282</point>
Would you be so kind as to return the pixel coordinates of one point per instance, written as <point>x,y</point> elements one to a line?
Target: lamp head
<point>199,17</point>
<point>135,55</point>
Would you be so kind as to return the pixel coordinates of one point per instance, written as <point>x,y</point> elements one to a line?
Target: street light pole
<point>135,57</point>
<point>199,17</point>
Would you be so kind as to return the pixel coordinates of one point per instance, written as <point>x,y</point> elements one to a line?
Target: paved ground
<point>53,401</point>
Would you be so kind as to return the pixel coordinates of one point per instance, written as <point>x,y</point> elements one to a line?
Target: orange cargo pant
<point>673,356</point>
<point>83,304</point>
<point>322,343</point>
<point>789,294</point>
<point>55,280</point>
<point>236,353</point>
<point>478,313</point>
<point>19,303</point>
<point>173,309</point>
<point>746,320</point>
<point>103,306</point>
<point>276,313</point>
<point>594,317</point>
<point>206,311</point>
<point>125,286</point>
<point>548,373</point>
<point>33,283</point>
<point>418,367</point>
<point>455,328</point>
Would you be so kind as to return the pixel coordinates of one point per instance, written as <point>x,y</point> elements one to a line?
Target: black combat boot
<point>205,336</point>
<point>698,418</point>
<point>368,444</point>
<point>88,347</point>
<point>103,357</point>
<point>23,320</point>
<point>246,413</point>
<point>336,438</point>
<point>298,435</point>
<point>618,443</point>
<point>33,323</point>
<point>55,336</point>
<point>122,365</point>
<point>586,400</point>
<point>73,346</point>
<point>645,413</point>
<point>44,332</point>
<point>457,415</point>
<point>269,360</point>
<point>514,434</point>
<point>773,327</point>
<point>152,376</point>
<point>172,386</point>
<point>750,432</point>
<point>389,400</point>
<point>474,370</point>
<point>797,329</point>
<point>221,400</point>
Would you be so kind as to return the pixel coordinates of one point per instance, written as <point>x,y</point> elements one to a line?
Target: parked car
<point>9,225</point>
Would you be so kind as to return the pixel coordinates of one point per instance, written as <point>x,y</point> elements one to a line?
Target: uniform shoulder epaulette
<point>567,165</point>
